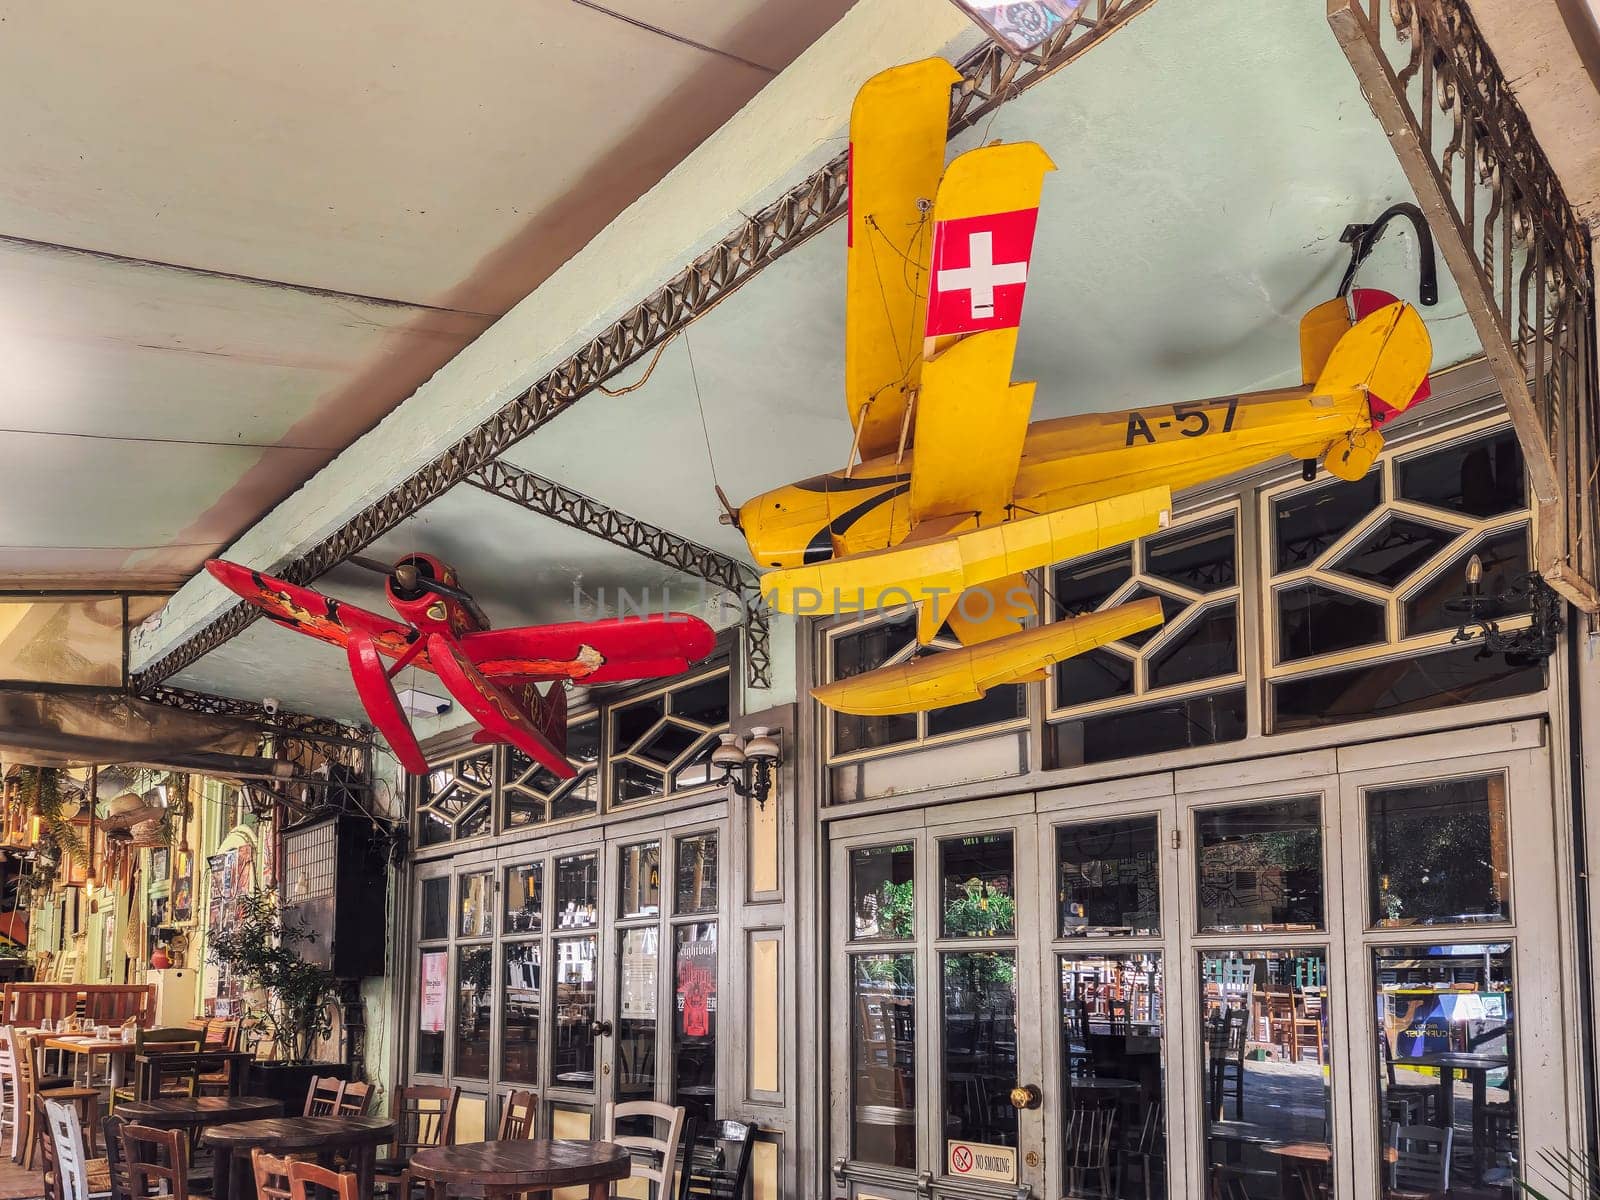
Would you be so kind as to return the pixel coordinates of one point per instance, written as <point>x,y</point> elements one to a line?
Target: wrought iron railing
<point>1511,240</point>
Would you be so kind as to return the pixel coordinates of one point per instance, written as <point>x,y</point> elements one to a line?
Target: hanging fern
<point>43,793</point>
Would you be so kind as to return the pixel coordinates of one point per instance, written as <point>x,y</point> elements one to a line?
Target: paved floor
<point>18,1184</point>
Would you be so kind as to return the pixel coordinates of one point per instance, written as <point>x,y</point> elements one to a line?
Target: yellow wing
<point>971,423</point>
<point>956,676</point>
<point>922,570</point>
<point>897,136</point>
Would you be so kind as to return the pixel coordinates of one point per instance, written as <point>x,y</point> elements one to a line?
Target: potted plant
<point>295,997</point>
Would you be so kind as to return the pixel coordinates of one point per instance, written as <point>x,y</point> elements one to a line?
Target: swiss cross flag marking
<point>980,272</point>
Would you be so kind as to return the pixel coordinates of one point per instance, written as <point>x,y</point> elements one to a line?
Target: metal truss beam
<point>991,75</point>
<point>300,725</point>
<point>1511,240</point>
<point>588,515</point>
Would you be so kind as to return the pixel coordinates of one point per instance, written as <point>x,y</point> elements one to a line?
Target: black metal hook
<point>1362,238</point>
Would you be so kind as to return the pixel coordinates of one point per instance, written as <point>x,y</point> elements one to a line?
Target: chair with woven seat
<point>111,1138</point>
<point>424,1116</point>
<point>1225,1044</point>
<point>70,1173</point>
<point>29,1090</point>
<point>654,1158</point>
<point>1406,1103</point>
<point>156,1161</point>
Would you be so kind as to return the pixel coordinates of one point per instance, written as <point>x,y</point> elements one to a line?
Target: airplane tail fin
<point>1386,354</point>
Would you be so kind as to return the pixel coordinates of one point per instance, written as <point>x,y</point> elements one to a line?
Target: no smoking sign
<point>977,1160</point>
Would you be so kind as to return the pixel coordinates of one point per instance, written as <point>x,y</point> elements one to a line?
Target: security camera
<point>271,705</point>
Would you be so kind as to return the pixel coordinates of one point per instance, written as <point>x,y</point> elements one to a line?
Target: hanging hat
<point>128,810</point>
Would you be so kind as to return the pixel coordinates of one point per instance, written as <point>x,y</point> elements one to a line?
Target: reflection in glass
<point>525,898</point>
<point>639,880</point>
<point>980,1045</point>
<point>1109,878</point>
<point>1112,1024</point>
<point>977,894</point>
<point>1437,853</point>
<point>1097,675</point>
<point>1446,1069</point>
<point>1267,1083</point>
<point>1309,520</point>
<point>435,908</point>
<point>1198,557</point>
<point>1483,477</point>
<point>1392,552</point>
<point>883,1045</point>
<point>865,650</point>
<point>1504,560</point>
<point>697,874</point>
<point>433,974</point>
<point>1260,866</point>
<point>1204,720</point>
<point>1209,647</point>
<point>1416,683</point>
<point>573,1060</point>
<point>694,989</point>
<point>1314,620</point>
<point>577,885</point>
<point>638,951</point>
<point>581,795</point>
<point>519,1042</point>
<point>476,905</point>
<point>883,891</point>
<point>999,704</point>
<point>474,1016</point>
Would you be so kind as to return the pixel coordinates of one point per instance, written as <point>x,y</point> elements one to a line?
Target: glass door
<point>1109,919</point>
<point>1457,951</point>
<point>936,1076</point>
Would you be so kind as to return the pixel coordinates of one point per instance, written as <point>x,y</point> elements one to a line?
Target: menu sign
<point>435,969</point>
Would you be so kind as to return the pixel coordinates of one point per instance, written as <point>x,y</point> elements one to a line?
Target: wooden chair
<point>717,1162</point>
<point>1225,1042</point>
<point>518,1117</point>
<point>155,1042</point>
<point>424,1116</point>
<point>661,1153</point>
<point>116,1004</point>
<point>1421,1158</point>
<point>69,1160</point>
<point>29,1091</point>
<point>272,1175</point>
<point>31,1004</point>
<point>10,1114</point>
<point>305,1176</point>
<point>356,1098</point>
<point>323,1096</point>
<point>116,1167</point>
<point>1228,1183</point>
<point>156,1161</point>
<point>1307,1023</point>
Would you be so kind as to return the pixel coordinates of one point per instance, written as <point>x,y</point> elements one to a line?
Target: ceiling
<point>233,237</point>
<point>1193,217</point>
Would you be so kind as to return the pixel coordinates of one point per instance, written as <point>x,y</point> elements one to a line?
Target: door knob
<point>600,1028</point>
<point>1026,1095</point>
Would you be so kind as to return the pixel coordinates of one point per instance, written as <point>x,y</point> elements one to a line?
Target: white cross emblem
<point>983,274</point>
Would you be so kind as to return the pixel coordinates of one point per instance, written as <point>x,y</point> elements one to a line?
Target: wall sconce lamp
<point>1521,647</point>
<point>746,766</point>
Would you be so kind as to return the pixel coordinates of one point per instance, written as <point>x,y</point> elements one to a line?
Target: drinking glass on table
<point>46,1025</point>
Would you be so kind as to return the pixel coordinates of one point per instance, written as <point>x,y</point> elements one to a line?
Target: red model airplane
<point>491,672</point>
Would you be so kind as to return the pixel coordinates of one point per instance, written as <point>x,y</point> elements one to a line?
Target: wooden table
<point>496,1169</point>
<point>1476,1068</point>
<point>183,1112</point>
<point>360,1137</point>
<point>86,1046</point>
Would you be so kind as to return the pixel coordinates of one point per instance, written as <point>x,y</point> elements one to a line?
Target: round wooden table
<point>358,1137</point>
<point>185,1112</point>
<point>510,1168</point>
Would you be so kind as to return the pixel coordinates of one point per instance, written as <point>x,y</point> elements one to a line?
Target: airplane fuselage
<point>1066,461</point>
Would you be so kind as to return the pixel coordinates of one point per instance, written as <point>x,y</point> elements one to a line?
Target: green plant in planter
<point>260,948</point>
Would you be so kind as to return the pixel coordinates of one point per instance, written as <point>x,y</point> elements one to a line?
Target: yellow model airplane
<point>956,495</point>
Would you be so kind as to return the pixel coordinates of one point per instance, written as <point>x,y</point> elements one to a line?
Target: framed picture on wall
<point>160,865</point>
